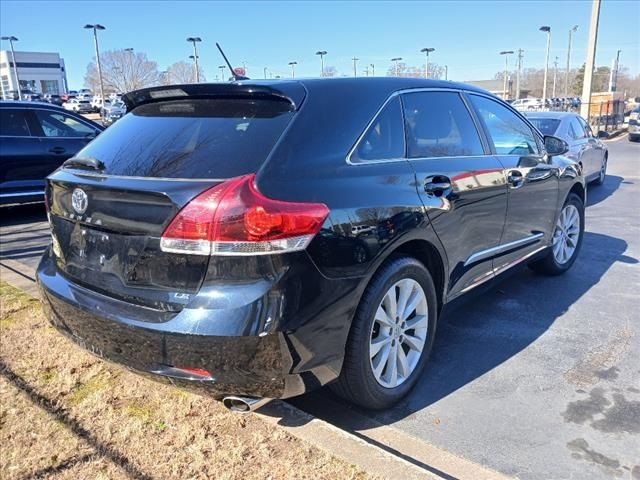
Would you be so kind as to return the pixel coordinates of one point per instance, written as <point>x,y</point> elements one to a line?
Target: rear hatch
<point>109,207</point>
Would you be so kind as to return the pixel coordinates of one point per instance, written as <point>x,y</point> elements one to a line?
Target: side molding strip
<point>493,251</point>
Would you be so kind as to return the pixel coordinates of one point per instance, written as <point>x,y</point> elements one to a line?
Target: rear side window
<point>192,138</point>
<point>546,126</point>
<point>384,140</point>
<point>13,123</point>
<point>56,124</point>
<point>438,124</point>
<point>575,129</point>
<point>510,134</point>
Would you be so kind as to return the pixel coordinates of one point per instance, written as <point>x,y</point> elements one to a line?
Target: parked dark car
<point>35,138</point>
<point>53,99</point>
<point>259,240</point>
<point>585,148</point>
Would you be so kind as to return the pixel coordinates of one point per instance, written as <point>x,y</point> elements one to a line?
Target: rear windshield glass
<point>546,126</point>
<point>193,138</point>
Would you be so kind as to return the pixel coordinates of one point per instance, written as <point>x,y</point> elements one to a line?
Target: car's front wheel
<point>567,239</point>
<point>391,336</point>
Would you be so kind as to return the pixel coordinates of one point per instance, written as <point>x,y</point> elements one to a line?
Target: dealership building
<point>40,72</point>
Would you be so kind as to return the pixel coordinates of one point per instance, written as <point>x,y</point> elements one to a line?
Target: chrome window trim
<point>401,92</point>
<point>493,251</point>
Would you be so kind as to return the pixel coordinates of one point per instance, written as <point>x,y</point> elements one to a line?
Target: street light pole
<point>293,69</point>
<point>547,30</point>
<point>519,73</point>
<point>555,75</point>
<point>95,29</point>
<point>566,75</point>
<point>506,54</point>
<point>265,72</point>
<point>322,53</point>
<point>396,60</point>
<point>617,69</point>
<point>194,40</point>
<point>355,62</point>
<point>591,56</point>
<point>222,68</point>
<point>426,52</point>
<point>132,86</point>
<point>373,70</point>
<point>446,72</point>
<point>15,64</point>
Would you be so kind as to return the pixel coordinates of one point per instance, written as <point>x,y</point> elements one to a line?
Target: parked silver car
<point>584,147</point>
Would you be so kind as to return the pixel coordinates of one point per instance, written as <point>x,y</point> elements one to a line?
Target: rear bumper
<point>241,357</point>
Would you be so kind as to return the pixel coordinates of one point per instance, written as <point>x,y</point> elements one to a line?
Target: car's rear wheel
<point>567,239</point>
<point>603,172</point>
<point>391,336</point>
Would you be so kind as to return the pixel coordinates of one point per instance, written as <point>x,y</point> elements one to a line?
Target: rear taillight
<point>233,218</point>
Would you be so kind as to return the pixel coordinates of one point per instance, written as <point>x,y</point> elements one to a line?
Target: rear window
<point>192,138</point>
<point>546,126</point>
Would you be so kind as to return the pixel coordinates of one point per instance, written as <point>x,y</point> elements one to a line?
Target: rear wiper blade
<point>84,162</point>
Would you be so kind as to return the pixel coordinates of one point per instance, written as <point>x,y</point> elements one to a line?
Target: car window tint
<point>13,123</point>
<point>577,129</point>
<point>509,133</point>
<point>56,124</point>
<point>192,138</point>
<point>438,124</point>
<point>546,126</point>
<point>384,140</point>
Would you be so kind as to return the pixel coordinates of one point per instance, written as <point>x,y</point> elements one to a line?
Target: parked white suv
<point>524,104</point>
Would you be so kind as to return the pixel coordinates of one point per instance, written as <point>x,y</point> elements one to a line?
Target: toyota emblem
<point>79,201</point>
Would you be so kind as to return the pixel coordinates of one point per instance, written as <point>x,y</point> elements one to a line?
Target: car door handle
<point>515,179</point>
<point>436,185</point>
<point>57,150</point>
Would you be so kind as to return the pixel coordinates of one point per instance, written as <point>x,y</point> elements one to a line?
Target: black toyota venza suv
<point>262,239</point>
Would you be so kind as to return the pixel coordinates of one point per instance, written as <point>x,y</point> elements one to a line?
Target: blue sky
<point>467,35</point>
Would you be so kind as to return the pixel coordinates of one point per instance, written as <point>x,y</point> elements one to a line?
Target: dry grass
<point>65,414</point>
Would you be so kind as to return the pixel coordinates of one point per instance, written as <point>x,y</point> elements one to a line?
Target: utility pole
<point>396,60</point>
<point>546,29</point>
<point>566,77</point>
<point>322,53</point>
<point>614,72</point>
<point>15,64</point>
<point>131,86</point>
<point>195,40</point>
<point>355,62</point>
<point>95,29</point>
<point>519,72</point>
<point>506,53</point>
<point>373,70</point>
<point>555,76</point>
<point>426,52</point>
<point>591,56</point>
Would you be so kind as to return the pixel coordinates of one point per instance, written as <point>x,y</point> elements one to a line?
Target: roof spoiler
<point>294,96</point>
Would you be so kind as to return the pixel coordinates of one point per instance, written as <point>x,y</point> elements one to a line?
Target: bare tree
<point>122,71</point>
<point>404,70</point>
<point>330,72</point>
<point>182,72</point>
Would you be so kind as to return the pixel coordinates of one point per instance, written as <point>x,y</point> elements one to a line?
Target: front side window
<point>438,124</point>
<point>56,124</point>
<point>384,140</point>
<point>13,123</point>
<point>509,133</point>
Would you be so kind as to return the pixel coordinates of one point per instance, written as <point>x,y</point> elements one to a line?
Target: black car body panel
<point>277,325</point>
<point>30,149</point>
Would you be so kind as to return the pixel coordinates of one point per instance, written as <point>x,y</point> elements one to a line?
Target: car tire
<point>358,382</point>
<point>558,260</point>
<point>602,175</point>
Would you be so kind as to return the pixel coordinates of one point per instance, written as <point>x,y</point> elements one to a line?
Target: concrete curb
<point>616,133</point>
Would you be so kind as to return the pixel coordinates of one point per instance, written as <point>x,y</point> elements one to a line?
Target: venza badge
<point>79,201</point>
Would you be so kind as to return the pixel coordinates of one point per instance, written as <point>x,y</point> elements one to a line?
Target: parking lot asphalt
<point>538,378</point>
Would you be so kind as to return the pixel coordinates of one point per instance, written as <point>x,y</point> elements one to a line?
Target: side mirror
<point>602,134</point>
<point>555,146</point>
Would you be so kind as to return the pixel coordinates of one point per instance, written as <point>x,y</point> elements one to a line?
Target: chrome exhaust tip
<point>239,404</point>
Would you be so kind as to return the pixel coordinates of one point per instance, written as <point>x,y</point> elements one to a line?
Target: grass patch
<point>84,390</point>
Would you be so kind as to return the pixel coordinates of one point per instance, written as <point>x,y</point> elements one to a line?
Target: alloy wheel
<point>566,234</point>
<point>398,333</point>
<point>603,171</point>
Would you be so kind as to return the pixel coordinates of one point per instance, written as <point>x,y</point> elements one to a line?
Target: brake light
<point>233,218</point>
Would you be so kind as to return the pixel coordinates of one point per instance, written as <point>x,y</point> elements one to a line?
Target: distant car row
<point>535,104</point>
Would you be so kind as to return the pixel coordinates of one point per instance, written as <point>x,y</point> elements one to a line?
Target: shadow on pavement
<point>597,194</point>
<point>484,333</point>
